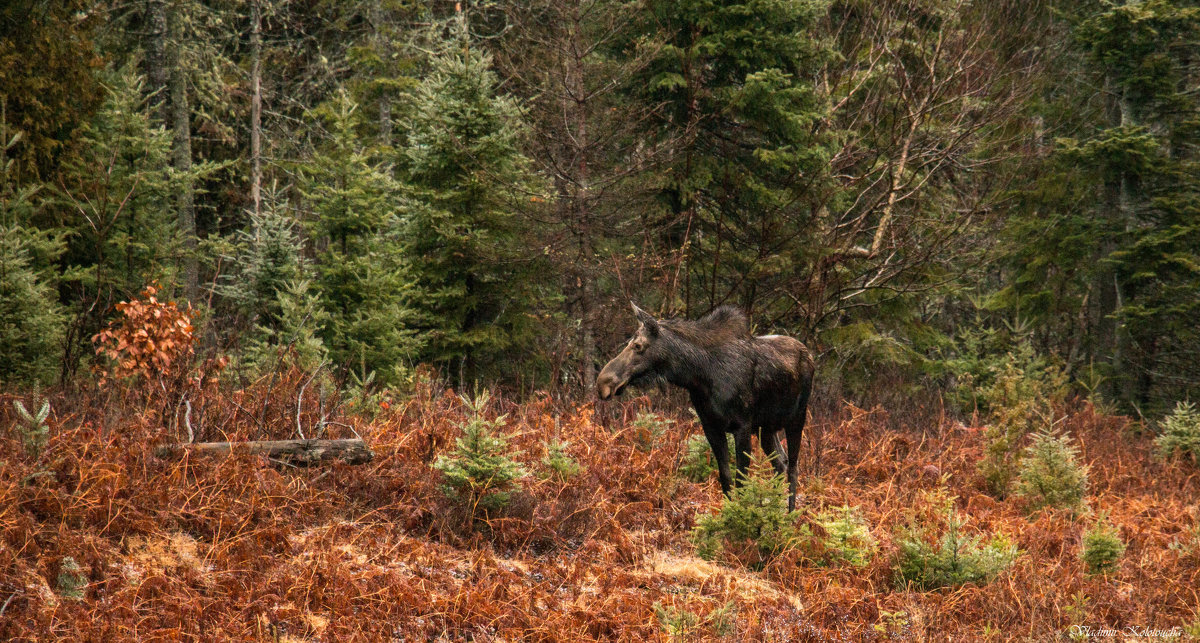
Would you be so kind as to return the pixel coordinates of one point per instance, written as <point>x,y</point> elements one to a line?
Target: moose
<point>738,383</point>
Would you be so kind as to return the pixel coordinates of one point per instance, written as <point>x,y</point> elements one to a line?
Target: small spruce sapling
<point>698,462</point>
<point>753,518</point>
<point>1051,474</point>
<point>956,559</point>
<point>71,580</point>
<point>1023,395</point>
<point>559,464</point>
<point>481,472</point>
<point>1181,433</point>
<point>847,536</point>
<point>34,431</point>
<point>1102,547</point>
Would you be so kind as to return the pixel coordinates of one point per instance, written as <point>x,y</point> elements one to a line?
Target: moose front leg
<point>715,432</point>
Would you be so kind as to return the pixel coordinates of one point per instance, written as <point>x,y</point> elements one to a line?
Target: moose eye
<point>639,346</point>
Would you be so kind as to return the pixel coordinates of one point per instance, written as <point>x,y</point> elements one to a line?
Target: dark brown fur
<point>738,383</point>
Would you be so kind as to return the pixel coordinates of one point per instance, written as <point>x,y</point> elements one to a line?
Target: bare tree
<point>922,99</point>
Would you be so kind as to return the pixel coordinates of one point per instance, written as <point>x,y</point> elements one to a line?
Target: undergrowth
<point>481,473</point>
<point>1102,547</point>
<point>930,561</point>
<point>1181,433</point>
<point>1051,474</point>
<point>753,525</point>
<point>241,547</point>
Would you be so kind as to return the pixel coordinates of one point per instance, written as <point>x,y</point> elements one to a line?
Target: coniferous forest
<point>303,305</point>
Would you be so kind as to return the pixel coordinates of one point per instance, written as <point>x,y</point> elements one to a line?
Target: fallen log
<point>297,452</point>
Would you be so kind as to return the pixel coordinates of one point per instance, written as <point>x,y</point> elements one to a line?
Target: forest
<point>417,228</point>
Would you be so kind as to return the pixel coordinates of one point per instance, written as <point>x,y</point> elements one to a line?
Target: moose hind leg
<point>768,438</point>
<point>794,431</point>
<point>741,440</point>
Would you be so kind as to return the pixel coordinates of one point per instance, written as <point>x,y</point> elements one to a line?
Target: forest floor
<point>101,540</point>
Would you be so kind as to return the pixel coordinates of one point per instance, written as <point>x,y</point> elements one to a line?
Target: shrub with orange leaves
<point>151,339</point>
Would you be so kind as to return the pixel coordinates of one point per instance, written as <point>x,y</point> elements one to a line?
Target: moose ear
<point>646,319</point>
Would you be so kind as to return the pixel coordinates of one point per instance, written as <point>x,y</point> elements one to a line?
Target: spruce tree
<point>481,471</point>
<point>1106,246</point>
<point>32,322</point>
<point>267,259</point>
<point>1051,474</point>
<point>734,82</point>
<point>362,279</point>
<point>464,236</point>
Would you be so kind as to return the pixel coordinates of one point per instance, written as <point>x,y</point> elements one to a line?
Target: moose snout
<point>604,388</point>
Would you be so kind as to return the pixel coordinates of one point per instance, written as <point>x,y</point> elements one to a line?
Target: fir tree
<point>294,337</point>
<point>848,537</point>
<point>481,473</point>
<point>32,322</point>
<point>112,198</point>
<point>268,259</point>
<point>1101,547</point>
<point>362,279</point>
<point>733,76</point>
<point>1109,225</point>
<point>1051,475</point>
<point>754,517</point>
<point>464,239</point>
<point>958,558</point>
<point>1180,433</point>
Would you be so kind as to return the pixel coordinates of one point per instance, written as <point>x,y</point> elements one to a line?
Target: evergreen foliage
<point>698,463</point>
<point>957,558</point>
<point>48,84</point>
<point>115,193</point>
<point>295,337</point>
<point>34,431</point>
<point>32,322</point>
<point>854,173</point>
<point>1180,433</point>
<point>736,77</point>
<point>1105,253</point>
<point>465,173</point>
<point>1051,475</point>
<point>268,258</point>
<point>754,519</point>
<point>1102,547</point>
<point>363,280</point>
<point>271,288</point>
<point>481,473</point>
<point>1022,397</point>
<point>71,579</point>
<point>847,536</point>
<point>558,462</point>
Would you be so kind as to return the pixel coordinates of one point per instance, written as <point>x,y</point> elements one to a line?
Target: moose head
<point>639,360</point>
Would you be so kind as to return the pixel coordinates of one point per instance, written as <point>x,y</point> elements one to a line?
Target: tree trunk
<point>156,60</point>
<point>297,452</point>
<point>256,105</point>
<point>1112,340</point>
<point>578,104</point>
<point>181,118</point>
<point>381,47</point>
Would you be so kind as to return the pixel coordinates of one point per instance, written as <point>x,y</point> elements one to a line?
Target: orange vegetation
<point>240,548</point>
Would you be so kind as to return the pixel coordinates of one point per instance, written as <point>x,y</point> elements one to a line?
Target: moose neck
<point>688,365</point>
